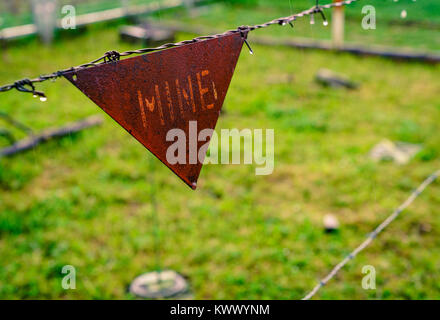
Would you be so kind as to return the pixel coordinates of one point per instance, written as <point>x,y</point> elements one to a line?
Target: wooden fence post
<point>338,26</point>
<point>44,13</point>
<point>125,5</point>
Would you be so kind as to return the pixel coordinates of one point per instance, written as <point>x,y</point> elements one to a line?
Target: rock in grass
<point>159,285</point>
<point>331,224</point>
<point>398,152</point>
<point>331,79</point>
<point>146,34</point>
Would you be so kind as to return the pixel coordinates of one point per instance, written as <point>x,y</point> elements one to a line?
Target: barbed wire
<point>374,234</point>
<point>27,85</point>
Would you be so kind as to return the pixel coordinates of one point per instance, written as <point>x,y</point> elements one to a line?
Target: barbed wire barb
<point>374,234</point>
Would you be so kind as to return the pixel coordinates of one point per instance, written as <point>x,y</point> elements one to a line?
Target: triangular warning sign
<point>150,95</point>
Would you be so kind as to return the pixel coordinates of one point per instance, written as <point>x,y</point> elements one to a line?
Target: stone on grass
<point>146,34</point>
<point>331,79</point>
<point>331,223</point>
<point>159,285</point>
<point>398,152</point>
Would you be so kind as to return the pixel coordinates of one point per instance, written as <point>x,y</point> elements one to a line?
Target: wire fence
<point>374,234</point>
<point>27,85</point>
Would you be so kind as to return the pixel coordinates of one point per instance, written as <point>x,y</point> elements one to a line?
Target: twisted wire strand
<point>374,234</point>
<point>26,85</point>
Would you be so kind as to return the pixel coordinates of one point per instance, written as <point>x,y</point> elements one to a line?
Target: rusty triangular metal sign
<point>151,94</point>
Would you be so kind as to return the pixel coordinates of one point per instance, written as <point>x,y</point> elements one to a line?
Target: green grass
<point>23,14</point>
<point>387,32</point>
<point>84,200</point>
<point>390,31</point>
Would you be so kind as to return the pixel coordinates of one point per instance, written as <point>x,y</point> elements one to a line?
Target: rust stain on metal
<point>149,95</point>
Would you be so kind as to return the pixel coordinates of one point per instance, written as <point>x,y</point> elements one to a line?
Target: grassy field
<point>85,200</point>
<point>390,28</point>
<point>23,9</point>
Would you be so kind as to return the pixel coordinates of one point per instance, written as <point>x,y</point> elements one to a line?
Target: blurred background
<point>354,134</point>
